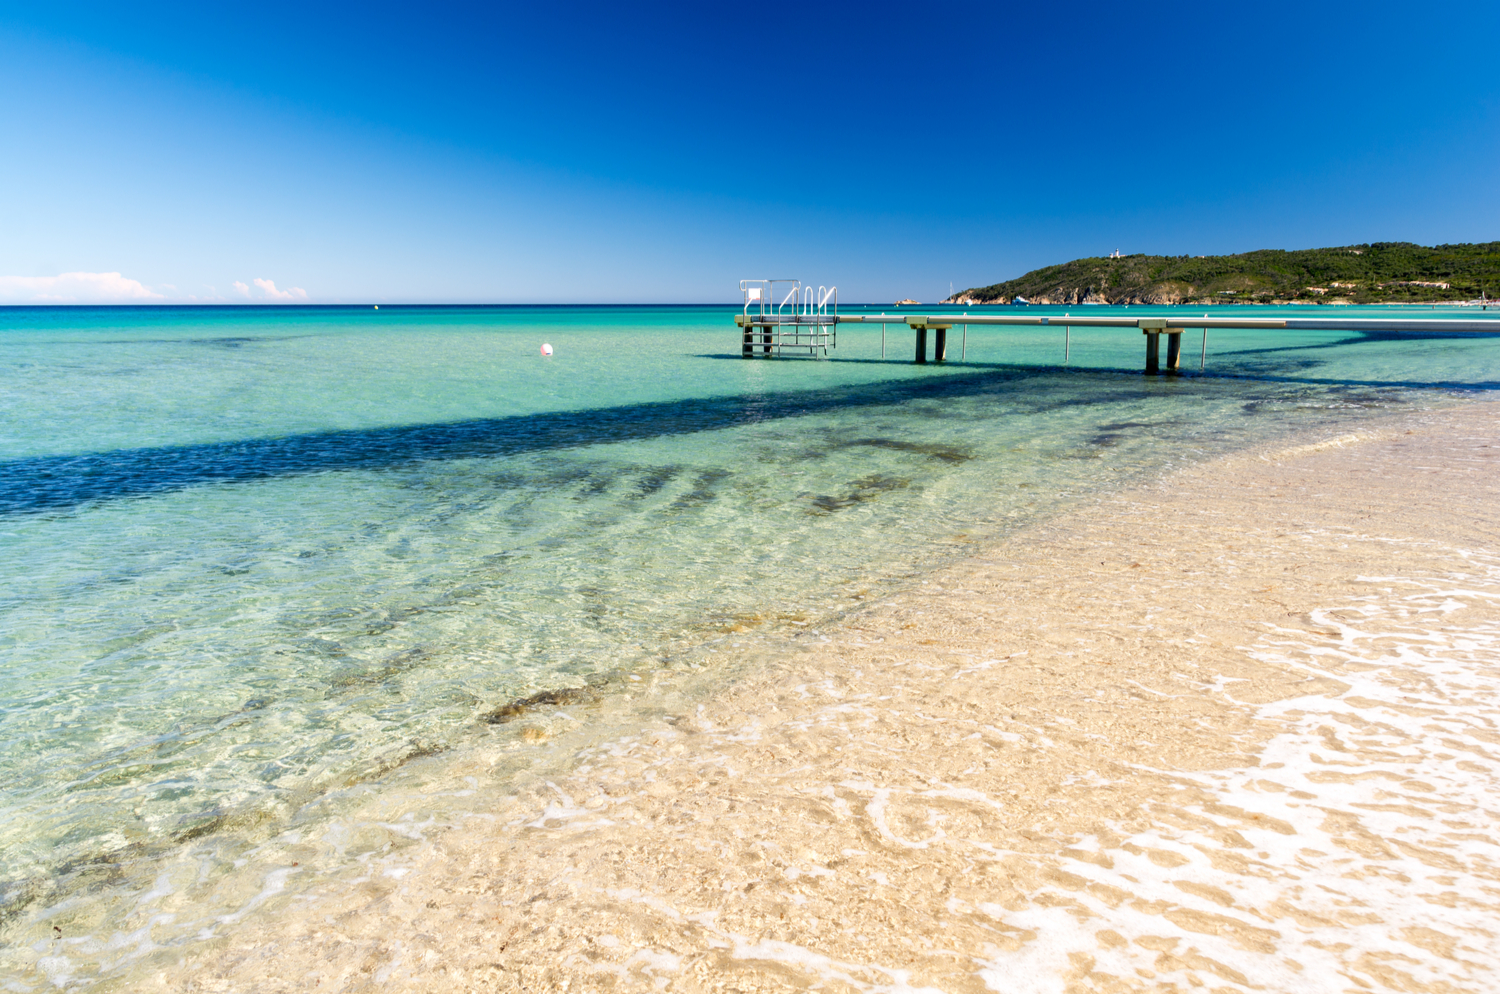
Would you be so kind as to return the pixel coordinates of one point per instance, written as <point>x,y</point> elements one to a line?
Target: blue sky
<point>605,152</point>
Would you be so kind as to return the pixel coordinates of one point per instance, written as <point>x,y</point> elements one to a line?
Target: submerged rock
<point>561,696</point>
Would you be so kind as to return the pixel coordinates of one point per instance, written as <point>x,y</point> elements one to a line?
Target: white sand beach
<point>1236,730</point>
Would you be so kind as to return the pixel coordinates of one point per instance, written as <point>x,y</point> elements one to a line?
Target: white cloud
<point>112,288</point>
<point>72,288</point>
<point>269,288</point>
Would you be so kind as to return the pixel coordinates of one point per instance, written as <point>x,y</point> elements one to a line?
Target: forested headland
<point>1376,273</point>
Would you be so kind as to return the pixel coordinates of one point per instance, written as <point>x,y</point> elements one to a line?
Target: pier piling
<point>921,343</point>
<point>1174,351</point>
<point>1152,329</point>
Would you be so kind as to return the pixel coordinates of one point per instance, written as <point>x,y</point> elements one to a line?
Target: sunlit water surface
<point>254,557</point>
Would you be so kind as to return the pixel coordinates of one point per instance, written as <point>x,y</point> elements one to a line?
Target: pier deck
<point>817,329</point>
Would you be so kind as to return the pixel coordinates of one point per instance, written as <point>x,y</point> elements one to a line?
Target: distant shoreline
<point>1366,274</point>
<point>1495,303</point>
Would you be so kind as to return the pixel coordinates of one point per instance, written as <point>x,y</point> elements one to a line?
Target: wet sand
<point>1236,730</point>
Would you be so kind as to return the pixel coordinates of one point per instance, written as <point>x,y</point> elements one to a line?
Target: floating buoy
<point>546,349</point>
<point>377,307</point>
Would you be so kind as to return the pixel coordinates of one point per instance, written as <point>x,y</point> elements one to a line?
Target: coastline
<point>1045,301</point>
<point>1228,730</point>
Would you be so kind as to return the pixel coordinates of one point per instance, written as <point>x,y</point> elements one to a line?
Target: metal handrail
<point>791,295</point>
<point>762,294</point>
<point>815,307</point>
<point>754,291</point>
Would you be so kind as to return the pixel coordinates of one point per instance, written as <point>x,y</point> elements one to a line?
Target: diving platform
<point>807,320</point>
<point>809,324</point>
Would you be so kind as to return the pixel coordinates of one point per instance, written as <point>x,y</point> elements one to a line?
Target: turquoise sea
<point>253,559</point>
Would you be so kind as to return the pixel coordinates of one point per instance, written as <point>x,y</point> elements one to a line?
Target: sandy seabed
<point>1236,730</point>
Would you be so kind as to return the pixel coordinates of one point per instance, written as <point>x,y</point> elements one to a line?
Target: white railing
<point>802,317</point>
<point>791,295</point>
<point>760,295</point>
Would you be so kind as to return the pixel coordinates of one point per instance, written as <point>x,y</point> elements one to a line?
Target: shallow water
<point>255,556</point>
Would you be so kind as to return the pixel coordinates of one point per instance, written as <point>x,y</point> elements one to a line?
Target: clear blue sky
<point>613,152</point>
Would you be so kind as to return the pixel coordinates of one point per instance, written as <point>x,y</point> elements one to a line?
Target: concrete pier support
<point>765,339</point>
<point>747,347</point>
<point>1174,351</point>
<point>1152,328</point>
<point>940,346</point>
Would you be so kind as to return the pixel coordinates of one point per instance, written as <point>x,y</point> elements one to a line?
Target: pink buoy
<point>546,349</point>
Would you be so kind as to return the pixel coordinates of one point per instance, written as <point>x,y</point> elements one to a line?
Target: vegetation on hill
<point>1377,273</point>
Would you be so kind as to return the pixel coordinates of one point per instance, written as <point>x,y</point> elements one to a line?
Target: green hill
<point>1378,273</point>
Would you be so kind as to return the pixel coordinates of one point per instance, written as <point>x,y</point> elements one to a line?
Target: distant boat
<point>1019,300</point>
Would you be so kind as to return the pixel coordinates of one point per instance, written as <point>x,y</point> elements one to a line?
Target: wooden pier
<point>804,320</point>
